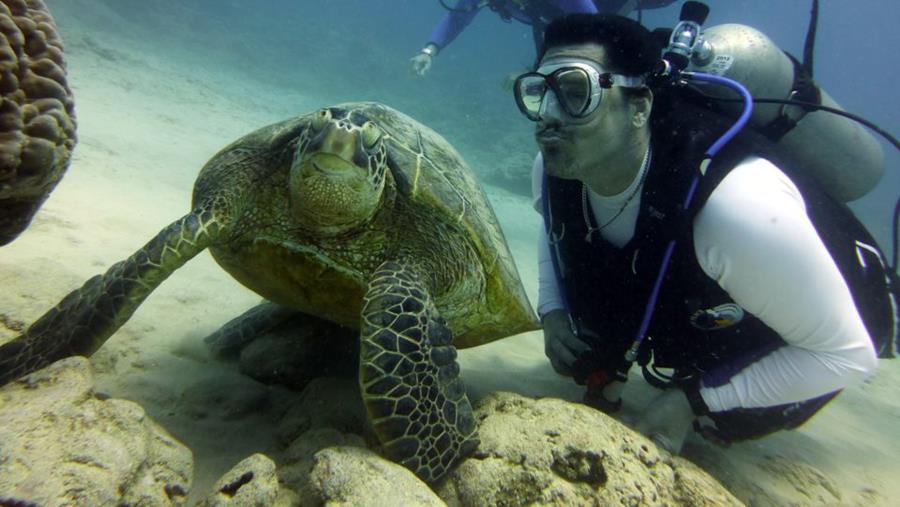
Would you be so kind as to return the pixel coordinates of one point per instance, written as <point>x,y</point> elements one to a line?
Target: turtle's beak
<point>336,144</point>
<point>328,165</point>
<point>339,143</point>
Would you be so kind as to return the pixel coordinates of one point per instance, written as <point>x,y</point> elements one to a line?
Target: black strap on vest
<point>803,89</point>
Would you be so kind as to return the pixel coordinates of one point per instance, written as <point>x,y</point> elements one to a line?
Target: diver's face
<point>572,147</point>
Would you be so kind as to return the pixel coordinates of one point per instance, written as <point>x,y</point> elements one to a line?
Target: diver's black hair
<point>631,49</point>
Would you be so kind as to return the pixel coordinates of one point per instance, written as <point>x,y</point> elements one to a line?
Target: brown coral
<point>37,113</point>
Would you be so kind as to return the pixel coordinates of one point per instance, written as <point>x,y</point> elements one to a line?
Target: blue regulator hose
<point>741,122</point>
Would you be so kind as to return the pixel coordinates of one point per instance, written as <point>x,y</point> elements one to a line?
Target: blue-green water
<point>336,50</point>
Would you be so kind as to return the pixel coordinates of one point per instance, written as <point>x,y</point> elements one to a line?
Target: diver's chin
<point>556,162</point>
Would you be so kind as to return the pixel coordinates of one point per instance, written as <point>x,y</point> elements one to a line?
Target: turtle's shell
<point>427,170</point>
<point>443,181</point>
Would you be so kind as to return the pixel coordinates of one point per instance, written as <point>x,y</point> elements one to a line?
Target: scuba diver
<point>776,297</point>
<point>536,13</point>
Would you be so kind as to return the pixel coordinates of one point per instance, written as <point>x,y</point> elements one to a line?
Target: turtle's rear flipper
<point>409,376</point>
<point>84,319</point>
<point>229,339</point>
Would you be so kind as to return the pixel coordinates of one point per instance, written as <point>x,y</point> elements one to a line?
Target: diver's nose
<point>548,122</point>
<point>551,110</point>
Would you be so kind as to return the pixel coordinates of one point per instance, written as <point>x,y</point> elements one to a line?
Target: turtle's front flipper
<point>85,318</point>
<point>410,378</point>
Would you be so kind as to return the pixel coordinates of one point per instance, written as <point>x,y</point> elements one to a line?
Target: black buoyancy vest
<point>607,287</point>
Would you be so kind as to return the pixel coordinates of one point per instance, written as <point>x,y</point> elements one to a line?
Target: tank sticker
<point>720,64</point>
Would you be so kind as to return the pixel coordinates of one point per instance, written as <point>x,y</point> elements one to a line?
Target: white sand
<point>146,126</point>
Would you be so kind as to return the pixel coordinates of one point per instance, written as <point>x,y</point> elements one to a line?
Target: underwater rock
<point>251,483</point>
<point>297,462</point>
<point>545,452</point>
<point>326,403</point>
<point>553,452</point>
<point>351,476</point>
<point>37,113</point>
<point>65,444</point>
<point>299,350</point>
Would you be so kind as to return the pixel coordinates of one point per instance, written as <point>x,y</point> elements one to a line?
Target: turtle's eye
<point>320,120</point>
<point>370,134</point>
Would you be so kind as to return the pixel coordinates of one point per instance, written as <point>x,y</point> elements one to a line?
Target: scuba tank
<point>838,152</point>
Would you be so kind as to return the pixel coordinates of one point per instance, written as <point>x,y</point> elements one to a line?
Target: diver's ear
<point>641,105</point>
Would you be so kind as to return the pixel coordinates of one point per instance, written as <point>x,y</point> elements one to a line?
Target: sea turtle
<point>356,213</point>
<point>37,113</point>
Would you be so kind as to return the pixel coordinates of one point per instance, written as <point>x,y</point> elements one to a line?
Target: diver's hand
<point>667,420</point>
<point>561,345</point>
<point>420,63</point>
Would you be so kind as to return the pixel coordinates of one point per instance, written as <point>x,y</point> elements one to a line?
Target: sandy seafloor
<point>147,124</point>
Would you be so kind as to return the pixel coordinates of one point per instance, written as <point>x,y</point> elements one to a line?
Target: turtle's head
<point>338,172</point>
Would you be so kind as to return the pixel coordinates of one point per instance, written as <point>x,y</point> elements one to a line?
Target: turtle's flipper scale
<point>88,316</point>
<point>410,378</point>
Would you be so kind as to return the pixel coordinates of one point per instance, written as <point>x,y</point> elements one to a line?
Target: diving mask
<point>577,88</point>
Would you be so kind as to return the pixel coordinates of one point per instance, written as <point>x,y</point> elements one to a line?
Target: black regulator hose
<point>859,119</point>
<point>896,244</point>
<point>812,105</point>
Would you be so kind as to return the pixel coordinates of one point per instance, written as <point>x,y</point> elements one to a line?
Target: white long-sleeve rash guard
<point>754,238</point>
